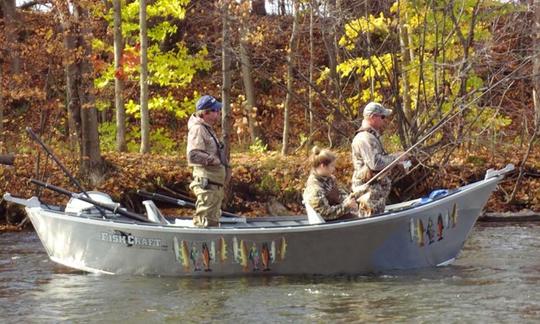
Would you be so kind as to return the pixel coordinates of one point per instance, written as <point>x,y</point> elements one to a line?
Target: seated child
<point>322,192</point>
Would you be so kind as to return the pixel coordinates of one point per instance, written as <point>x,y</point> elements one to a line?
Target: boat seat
<point>153,212</point>
<point>312,215</point>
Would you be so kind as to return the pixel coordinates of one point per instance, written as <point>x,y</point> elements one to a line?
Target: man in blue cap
<point>206,155</point>
<point>369,157</point>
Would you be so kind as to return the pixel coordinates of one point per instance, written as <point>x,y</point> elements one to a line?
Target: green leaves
<point>169,70</point>
<point>176,68</point>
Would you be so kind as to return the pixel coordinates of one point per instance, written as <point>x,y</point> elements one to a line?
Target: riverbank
<point>262,183</point>
<point>525,215</point>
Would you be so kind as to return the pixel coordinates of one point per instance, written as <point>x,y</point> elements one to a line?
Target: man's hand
<point>402,156</point>
<point>350,202</point>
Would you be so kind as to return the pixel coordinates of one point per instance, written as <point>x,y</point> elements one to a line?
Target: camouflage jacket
<point>368,157</point>
<point>205,152</point>
<point>325,197</point>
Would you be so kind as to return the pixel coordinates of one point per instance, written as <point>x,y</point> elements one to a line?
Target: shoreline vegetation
<point>262,183</point>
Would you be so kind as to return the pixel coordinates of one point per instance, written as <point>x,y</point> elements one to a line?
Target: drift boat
<point>413,234</point>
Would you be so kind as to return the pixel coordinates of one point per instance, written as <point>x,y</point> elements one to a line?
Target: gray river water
<point>495,279</point>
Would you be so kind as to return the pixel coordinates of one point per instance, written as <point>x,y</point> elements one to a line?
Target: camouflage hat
<point>374,108</point>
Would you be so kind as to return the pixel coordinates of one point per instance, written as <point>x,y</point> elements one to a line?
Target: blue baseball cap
<point>207,102</point>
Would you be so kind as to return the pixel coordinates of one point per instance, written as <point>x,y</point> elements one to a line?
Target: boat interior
<point>158,219</point>
<point>79,208</point>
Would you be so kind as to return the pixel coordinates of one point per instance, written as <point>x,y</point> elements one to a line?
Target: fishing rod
<point>175,201</point>
<point>115,207</point>
<point>442,122</point>
<point>49,152</point>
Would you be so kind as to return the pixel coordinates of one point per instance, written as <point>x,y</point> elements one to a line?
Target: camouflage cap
<point>374,108</point>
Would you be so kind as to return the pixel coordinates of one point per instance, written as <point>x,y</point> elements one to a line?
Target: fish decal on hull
<point>194,257</point>
<point>181,252</point>
<point>254,257</point>
<point>250,255</point>
<point>437,227</point>
<point>430,232</point>
<point>412,229</point>
<point>197,255</point>
<point>454,216</point>
<point>440,228</point>
<point>265,257</point>
<point>222,250</point>
<point>420,232</point>
<point>206,257</point>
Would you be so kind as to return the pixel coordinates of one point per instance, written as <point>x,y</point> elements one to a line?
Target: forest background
<point>109,85</point>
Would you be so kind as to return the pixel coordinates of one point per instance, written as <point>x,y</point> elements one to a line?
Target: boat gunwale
<point>390,215</point>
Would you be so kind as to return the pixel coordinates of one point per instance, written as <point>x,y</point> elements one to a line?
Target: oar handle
<point>179,202</point>
<point>153,195</point>
<point>115,209</point>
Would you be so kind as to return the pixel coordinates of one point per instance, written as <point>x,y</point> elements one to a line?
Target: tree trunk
<point>72,80</point>
<point>2,144</point>
<point>282,10</point>
<point>145,118</point>
<point>313,3</point>
<point>80,101</point>
<point>536,69</point>
<point>226,88</point>
<point>467,43</point>
<point>251,107</point>
<point>11,53</point>
<point>330,43</point>
<point>11,31</point>
<point>92,163</point>
<point>405,64</point>
<point>290,71</point>
<point>118,79</point>
<point>226,118</point>
<point>258,8</point>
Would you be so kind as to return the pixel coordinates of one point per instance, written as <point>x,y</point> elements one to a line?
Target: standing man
<point>369,157</point>
<point>206,154</point>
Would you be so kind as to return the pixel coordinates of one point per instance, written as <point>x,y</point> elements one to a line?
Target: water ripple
<point>495,279</point>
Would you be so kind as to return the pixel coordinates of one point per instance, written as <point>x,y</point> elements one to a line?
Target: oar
<point>175,201</point>
<point>7,159</point>
<point>115,209</point>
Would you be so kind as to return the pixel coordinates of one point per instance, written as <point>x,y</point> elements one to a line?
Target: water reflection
<point>496,278</point>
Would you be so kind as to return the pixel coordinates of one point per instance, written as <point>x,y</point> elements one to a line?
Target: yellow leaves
<point>373,25</point>
<point>324,75</point>
<point>355,64</point>
<point>375,67</point>
<point>49,34</point>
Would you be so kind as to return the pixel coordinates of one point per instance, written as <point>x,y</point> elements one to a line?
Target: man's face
<point>212,117</point>
<point>378,121</point>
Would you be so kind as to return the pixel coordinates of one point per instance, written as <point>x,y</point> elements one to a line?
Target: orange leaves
<point>99,64</point>
<point>256,178</point>
<point>120,74</point>
<point>130,57</point>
